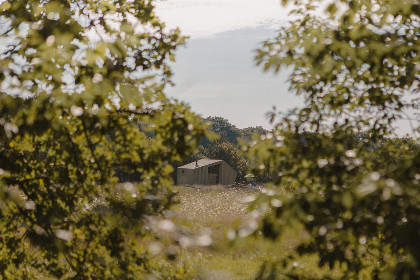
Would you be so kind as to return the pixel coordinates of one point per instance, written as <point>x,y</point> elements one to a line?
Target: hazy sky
<point>203,18</point>
<point>216,72</point>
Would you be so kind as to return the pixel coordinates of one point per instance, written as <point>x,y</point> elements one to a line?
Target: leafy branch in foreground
<point>343,175</point>
<point>77,79</point>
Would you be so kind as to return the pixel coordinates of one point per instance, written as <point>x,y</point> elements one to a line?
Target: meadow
<point>223,213</point>
<point>217,210</point>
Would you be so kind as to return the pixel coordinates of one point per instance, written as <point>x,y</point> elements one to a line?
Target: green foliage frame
<point>343,176</point>
<point>78,80</point>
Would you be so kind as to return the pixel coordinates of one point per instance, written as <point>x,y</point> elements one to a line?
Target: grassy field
<point>215,211</point>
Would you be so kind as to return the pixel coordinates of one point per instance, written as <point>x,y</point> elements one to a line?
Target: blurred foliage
<point>248,133</point>
<point>81,90</point>
<point>343,175</point>
<point>226,131</point>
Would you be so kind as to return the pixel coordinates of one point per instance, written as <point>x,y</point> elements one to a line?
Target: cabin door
<point>213,178</point>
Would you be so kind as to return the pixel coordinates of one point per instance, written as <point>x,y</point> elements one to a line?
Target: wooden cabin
<point>206,172</point>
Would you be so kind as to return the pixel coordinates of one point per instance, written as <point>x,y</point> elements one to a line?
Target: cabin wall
<point>200,176</point>
<point>227,174</point>
<point>185,176</point>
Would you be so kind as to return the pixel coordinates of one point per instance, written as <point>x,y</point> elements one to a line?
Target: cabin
<point>206,172</point>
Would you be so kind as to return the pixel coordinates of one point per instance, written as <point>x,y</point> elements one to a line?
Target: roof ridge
<point>200,163</point>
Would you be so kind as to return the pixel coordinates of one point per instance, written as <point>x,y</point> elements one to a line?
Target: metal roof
<point>200,163</point>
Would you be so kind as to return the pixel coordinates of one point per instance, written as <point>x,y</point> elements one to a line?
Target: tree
<point>77,77</point>
<point>248,133</point>
<point>357,67</point>
<point>227,146</point>
<point>222,144</point>
<point>228,152</point>
<point>222,127</point>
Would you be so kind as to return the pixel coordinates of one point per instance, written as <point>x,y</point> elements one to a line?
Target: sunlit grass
<point>219,209</point>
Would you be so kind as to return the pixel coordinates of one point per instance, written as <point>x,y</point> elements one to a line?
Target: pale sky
<point>215,73</point>
<point>203,18</point>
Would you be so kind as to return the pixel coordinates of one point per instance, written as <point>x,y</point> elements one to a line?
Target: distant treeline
<point>227,146</point>
<point>230,140</point>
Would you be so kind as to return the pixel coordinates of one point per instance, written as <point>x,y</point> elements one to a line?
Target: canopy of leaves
<point>225,143</point>
<point>342,175</point>
<point>228,152</point>
<point>228,146</point>
<point>78,79</point>
<point>248,133</point>
<point>226,131</point>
